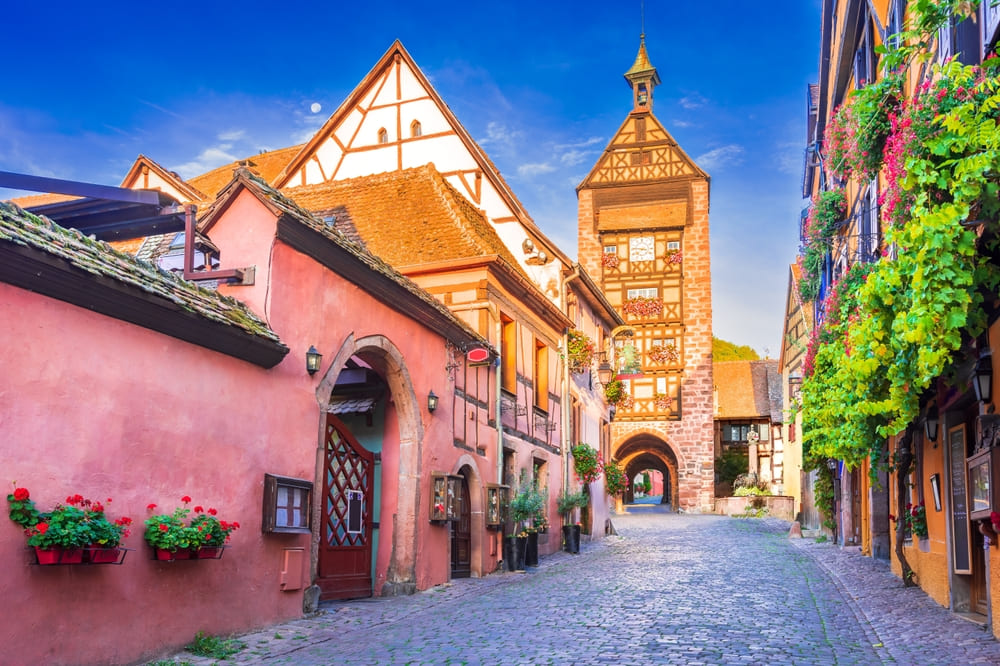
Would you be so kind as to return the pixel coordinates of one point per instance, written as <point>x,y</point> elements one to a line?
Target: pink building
<point>123,381</point>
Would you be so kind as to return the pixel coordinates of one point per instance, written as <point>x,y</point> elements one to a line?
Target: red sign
<point>477,355</point>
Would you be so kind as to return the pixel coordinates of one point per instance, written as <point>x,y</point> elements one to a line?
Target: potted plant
<point>566,503</point>
<point>614,391</point>
<point>587,463</point>
<point>71,531</point>
<point>525,506</point>
<point>215,533</point>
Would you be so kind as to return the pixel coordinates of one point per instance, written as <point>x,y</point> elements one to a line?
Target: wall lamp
<point>931,423</point>
<point>982,378</point>
<point>432,402</point>
<point>313,359</point>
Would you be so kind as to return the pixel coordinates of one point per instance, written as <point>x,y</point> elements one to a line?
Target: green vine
<point>893,329</point>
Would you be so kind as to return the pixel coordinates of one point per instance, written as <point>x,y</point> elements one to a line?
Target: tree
<point>728,351</point>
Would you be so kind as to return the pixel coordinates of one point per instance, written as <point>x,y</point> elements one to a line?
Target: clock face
<point>640,248</point>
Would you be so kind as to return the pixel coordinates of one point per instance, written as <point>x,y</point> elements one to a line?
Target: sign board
<point>355,502</point>
<point>477,355</point>
<point>961,536</point>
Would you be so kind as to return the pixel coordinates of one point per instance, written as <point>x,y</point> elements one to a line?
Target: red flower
<point>98,507</point>
<point>42,528</point>
<point>186,499</point>
<point>236,524</point>
<point>892,517</point>
<point>21,494</point>
<point>212,512</point>
<point>164,527</point>
<point>150,507</point>
<point>199,509</point>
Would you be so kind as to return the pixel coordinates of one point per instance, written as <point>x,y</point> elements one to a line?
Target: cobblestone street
<point>673,589</point>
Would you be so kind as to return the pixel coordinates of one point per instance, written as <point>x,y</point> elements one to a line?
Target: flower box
<point>171,555</point>
<point>210,552</point>
<point>98,555</point>
<point>47,556</point>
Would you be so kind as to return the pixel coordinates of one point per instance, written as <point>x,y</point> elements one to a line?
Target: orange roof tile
<point>267,165</point>
<point>32,200</point>
<point>407,217</point>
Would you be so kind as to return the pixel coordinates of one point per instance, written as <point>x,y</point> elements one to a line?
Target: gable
<point>641,151</point>
<point>387,103</point>
<point>146,174</point>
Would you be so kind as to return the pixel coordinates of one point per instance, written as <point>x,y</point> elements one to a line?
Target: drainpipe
<point>567,395</point>
<point>499,405</point>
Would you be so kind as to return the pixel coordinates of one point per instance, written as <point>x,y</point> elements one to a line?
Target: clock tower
<point>643,232</point>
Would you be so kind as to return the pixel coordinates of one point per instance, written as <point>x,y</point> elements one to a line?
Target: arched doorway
<point>393,432</point>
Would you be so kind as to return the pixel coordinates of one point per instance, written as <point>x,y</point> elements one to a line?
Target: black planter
<point>513,553</point>
<point>531,550</point>
<point>571,538</point>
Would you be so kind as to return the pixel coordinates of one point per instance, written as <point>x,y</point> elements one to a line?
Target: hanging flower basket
<point>643,307</point>
<point>663,354</point>
<point>580,352</point>
<point>609,260</point>
<point>614,391</point>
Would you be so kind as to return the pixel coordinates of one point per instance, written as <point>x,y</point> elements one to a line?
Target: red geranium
<point>21,494</point>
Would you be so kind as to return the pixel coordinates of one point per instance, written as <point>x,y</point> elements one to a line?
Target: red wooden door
<point>345,550</point>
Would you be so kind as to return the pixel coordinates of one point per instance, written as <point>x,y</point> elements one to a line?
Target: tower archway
<point>643,451</point>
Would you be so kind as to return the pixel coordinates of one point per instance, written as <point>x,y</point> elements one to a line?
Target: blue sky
<point>538,84</point>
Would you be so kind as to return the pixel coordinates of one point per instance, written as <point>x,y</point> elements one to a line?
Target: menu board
<point>961,536</point>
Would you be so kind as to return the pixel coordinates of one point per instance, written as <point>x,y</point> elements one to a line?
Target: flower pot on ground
<point>571,538</point>
<point>513,554</point>
<point>531,549</point>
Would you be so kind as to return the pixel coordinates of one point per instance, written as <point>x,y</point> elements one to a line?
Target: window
<point>415,129</point>
<point>661,385</point>
<point>383,136</point>
<point>894,24</point>
<point>735,433</point>
<point>642,292</point>
<point>610,249</point>
<point>640,129</point>
<point>286,505</point>
<point>508,352</point>
<point>641,248</point>
<point>541,376</point>
<point>864,60</point>
<point>673,245</point>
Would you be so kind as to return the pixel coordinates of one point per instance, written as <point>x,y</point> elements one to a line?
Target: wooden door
<point>345,551</point>
<point>856,513</point>
<point>461,535</point>
<point>977,585</point>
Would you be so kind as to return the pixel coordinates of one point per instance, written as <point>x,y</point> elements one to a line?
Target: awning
<point>350,405</point>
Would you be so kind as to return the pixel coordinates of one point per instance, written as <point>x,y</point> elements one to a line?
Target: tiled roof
<point>282,204</point>
<point>32,200</point>
<point>407,217</point>
<point>101,260</point>
<point>744,389</point>
<point>266,165</point>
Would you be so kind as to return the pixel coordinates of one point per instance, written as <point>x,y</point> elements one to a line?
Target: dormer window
<point>383,136</point>
<point>415,129</point>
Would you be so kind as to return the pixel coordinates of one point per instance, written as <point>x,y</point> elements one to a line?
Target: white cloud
<point>531,170</point>
<point>232,135</point>
<point>207,160</point>
<point>790,158</point>
<point>693,101</point>
<point>682,123</point>
<point>574,157</point>
<point>724,156</point>
<point>580,144</point>
<point>499,135</point>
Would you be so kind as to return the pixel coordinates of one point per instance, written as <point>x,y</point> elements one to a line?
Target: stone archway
<point>379,353</point>
<point>646,450</point>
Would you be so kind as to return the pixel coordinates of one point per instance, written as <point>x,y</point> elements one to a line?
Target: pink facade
<point>97,406</point>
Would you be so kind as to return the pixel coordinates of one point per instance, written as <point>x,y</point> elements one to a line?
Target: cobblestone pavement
<point>669,589</point>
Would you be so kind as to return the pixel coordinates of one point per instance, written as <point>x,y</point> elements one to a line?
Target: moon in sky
<point>315,107</point>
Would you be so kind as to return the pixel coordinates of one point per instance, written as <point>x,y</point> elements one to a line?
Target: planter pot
<point>513,553</point>
<point>171,555</point>
<point>571,538</point>
<point>210,553</point>
<point>100,555</point>
<point>531,550</point>
<point>59,555</point>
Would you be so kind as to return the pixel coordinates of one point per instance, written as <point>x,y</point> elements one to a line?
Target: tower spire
<point>642,77</point>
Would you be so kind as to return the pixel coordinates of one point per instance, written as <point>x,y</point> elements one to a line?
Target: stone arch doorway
<point>396,442</point>
<point>468,532</point>
<point>648,451</point>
